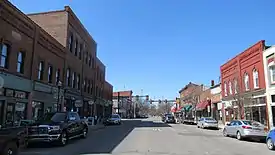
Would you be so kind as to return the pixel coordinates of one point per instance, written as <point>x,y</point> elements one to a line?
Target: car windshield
<point>114,116</point>
<point>54,117</point>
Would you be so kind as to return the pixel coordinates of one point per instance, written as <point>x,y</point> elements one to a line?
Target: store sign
<point>20,94</point>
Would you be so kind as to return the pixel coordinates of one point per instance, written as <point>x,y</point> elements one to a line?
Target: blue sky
<point>158,46</point>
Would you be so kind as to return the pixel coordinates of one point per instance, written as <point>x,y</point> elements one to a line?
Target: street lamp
<point>59,84</point>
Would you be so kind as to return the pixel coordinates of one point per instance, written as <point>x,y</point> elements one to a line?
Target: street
<point>152,137</point>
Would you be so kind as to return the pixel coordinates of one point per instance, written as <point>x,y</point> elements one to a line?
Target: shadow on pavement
<point>153,124</point>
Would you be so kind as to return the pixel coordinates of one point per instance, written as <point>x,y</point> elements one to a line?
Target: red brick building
<point>243,85</point>
<point>125,98</point>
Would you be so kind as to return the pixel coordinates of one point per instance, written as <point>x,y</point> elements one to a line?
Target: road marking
<point>156,129</point>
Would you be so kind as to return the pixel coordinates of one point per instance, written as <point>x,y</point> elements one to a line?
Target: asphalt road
<point>152,137</point>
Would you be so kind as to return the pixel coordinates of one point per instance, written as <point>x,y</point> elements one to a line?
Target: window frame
<point>22,63</point>
<point>6,63</point>
<point>256,81</point>
<point>57,75</point>
<point>246,82</point>
<point>230,87</point>
<point>41,70</point>
<point>50,73</point>
<point>68,77</point>
<point>225,88</point>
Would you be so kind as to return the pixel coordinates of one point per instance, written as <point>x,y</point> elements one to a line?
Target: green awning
<point>186,108</point>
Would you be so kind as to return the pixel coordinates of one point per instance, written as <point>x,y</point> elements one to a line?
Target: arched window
<point>236,88</point>
<point>255,78</point>
<point>246,81</point>
<point>225,89</point>
<point>230,87</point>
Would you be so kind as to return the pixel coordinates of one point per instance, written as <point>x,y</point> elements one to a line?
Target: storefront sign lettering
<point>19,94</point>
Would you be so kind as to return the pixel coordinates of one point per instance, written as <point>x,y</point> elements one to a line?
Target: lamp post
<point>59,84</point>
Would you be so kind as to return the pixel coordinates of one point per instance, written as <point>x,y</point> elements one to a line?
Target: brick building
<point>243,85</point>
<point>83,68</point>
<point>125,98</point>
<point>45,69</point>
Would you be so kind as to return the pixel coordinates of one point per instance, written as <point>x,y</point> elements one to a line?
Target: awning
<point>202,105</point>
<point>186,108</point>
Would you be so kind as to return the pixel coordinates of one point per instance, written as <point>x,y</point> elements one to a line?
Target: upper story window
<point>230,87</point>
<point>272,74</point>
<point>90,60</point>
<point>255,78</point>
<point>78,81</point>
<point>236,86</point>
<point>93,62</point>
<point>40,70</point>
<point>84,85</point>
<point>71,39</point>
<point>4,55</point>
<point>50,74</point>
<point>246,81</point>
<point>57,76</point>
<point>88,87</point>
<point>68,77</point>
<point>86,58</point>
<point>225,88</point>
<point>80,51</point>
<point>74,80</point>
<point>76,47</point>
<point>20,62</point>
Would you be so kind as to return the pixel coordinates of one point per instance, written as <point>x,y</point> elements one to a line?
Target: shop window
<point>68,77</point>
<point>57,76</point>
<point>71,38</point>
<point>20,62</point>
<point>4,55</point>
<point>40,70</point>
<point>272,74</point>
<point>246,81</point>
<point>255,78</point>
<point>37,110</point>
<point>50,74</point>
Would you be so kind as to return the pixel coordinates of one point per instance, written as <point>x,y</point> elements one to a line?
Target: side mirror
<point>228,124</point>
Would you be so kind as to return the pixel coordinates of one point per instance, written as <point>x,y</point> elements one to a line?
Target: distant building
<point>125,98</point>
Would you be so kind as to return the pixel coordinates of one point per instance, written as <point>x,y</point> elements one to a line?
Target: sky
<point>156,47</point>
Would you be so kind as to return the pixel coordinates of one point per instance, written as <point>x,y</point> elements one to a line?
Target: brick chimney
<point>212,83</point>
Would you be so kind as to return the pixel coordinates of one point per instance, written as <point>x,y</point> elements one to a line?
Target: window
<point>80,51</point>
<point>68,77</point>
<point>88,87</point>
<point>4,55</point>
<point>40,70</point>
<point>76,47</point>
<point>93,62</point>
<point>86,58</point>
<point>236,86</point>
<point>246,81</point>
<point>73,80</point>
<point>20,62</point>
<point>225,89</point>
<point>230,87</point>
<point>90,60</point>
<point>71,42</point>
<point>84,85</point>
<point>272,74</point>
<point>255,78</point>
<point>57,76</point>
<point>78,81</point>
<point>50,74</point>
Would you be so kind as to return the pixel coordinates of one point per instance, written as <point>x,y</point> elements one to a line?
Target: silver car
<point>207,122</point>
<point>245,129</point>
<point>113,119</point>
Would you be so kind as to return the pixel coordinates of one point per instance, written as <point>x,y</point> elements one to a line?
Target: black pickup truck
<point>58,128</point>
<point>12,139</point>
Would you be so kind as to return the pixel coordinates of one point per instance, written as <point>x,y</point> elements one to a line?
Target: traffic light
<point>147,97</point>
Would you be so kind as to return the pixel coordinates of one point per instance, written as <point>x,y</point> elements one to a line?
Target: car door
<point>230,127</point>
<point>71,125</point>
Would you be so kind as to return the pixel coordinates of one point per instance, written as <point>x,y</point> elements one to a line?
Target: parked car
<point>207,122</point>
<point>245,129</point>
<point>12,139</point>
<point>270,139</point>
<point>169,118</point>
<point>58,127</point>
<point>114,119</point>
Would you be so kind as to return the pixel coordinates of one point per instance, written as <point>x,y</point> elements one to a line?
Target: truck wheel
<point>63,140</point>
<point>11,149</point>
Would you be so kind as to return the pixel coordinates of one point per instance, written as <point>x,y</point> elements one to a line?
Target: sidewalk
<point>221,126</point>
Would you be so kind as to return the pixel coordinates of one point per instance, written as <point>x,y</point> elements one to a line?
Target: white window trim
<point>225,89</point>
<point>255,77</point>
<point>230,87</point>
<point>235,86</point>
<point>271,67</point>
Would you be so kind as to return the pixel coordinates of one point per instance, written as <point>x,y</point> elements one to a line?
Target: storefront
<point>14,99</point>
<point>256,110</point>
<point>45,98</point>
<point>73,100</point>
